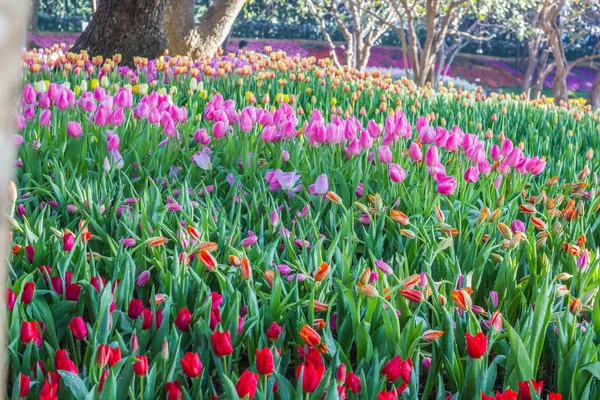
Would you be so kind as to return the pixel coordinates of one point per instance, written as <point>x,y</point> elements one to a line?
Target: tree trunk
<point>13,15</point>
<point>178,24</point>
<point>559,86</point>
<point>594,95</point>
<point>532,60</point>
<point>127,27</point>
<point>184,38</point>
<point>35,10</point>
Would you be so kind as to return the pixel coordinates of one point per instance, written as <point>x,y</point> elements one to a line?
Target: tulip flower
<point>396,368</point>
<point>353,382</point>
<point>397,173</point>
<point>311,375</point>
<point>29,332</point>
<point>191,365</point>
<point>68,241</point>
<point>102,355</point>
<point>27,293</point>
<point>274,331</point>
<point>431,335</point>
<point>173,390</point>
<point>135,309</point>
<point>265,363</point>
<point>476,345</point>
<point>11,298</point>
<point>114,355</point>
<point>63,363</point>
<point>413,295</point>
<point>209,262</point>
<point>246,385</point>
<point>525,391</point>
<point>140,367</point>
<point>446,186</point>
<point>24,382</point>
<point>321,272</point>
<point>182,321</point>
<point>78,328</point>
<point>221,343</point>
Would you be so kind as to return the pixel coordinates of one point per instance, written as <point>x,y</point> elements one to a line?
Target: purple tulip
<point>320,187</point>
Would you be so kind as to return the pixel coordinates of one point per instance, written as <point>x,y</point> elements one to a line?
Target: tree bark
<point>594,95</point>
<point>35,10</point>
<point>185,38</point>
<point>533,44</point>
<point>13,17</point>
<point>127,27</point>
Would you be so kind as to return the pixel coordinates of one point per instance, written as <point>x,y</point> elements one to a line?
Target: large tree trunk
<point>127,27</point>
<point>184,38</point>
<point>594,95</point>
<point>35,10</point>
<point>13,15</point>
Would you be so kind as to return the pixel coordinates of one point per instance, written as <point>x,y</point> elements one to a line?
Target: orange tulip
<point>193,232</point>
<point>462,299</point>
<point>207,260</point>
<point>269,277</point>
<point>399,217</point>
<point>156,241</point>
<point>311,337</point>
<point>321,272</point>
<point>538,223</point>
<point>246,270</point>
<point>334,197</point>
<point>208,246</point>
<point>320,306</point>
<point>431,335</point>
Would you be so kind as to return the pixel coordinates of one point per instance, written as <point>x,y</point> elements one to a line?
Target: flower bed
<point>274,228</point>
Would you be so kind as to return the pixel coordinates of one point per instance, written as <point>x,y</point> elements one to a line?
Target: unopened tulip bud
<point>431,335</point>
<point>164,351</point>
<point>12,191</point>
<point>561,290</point>
<point>575,306</point>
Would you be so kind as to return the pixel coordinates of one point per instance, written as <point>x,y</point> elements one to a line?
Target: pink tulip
<point>415,152</point>
<point>446,186</point>
<point>397,174</point>
<point>45,117</point>
<point>385,154</point>
<point>432,157</point>
<point>74,129</point>
<point>471,174</point>
<point>219,129</point>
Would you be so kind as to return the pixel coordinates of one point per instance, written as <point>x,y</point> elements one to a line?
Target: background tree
<point>185,37</point>
<point>554,17</point>
<point>362,23</point>
<point>135,28</point>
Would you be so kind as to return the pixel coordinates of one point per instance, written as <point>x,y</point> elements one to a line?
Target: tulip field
<point>273,228</point>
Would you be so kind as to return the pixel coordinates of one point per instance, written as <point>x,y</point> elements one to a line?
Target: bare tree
<point>437,16</point>
<point>13,16</point>
<point>594,94</point>
<point>360,23</point>
<point>550,23</point>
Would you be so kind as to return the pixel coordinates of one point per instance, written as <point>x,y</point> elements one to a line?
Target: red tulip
<point>24,381</point>
<point>182,322</point>
<point>524,391</point>
<point>264,361</point>
<point>221,343</point>
<point>173,390</point>
<point>215,317</point>
<point>353,382</point>
<point>383,395</point>
<point>274,331</point>
<point>62,362</point>
<point>73,291</point>
<point>507,395</point>
<point>340,374</point>
<point>103,377</point>
<point>29,332</point>
<point>114,355</point>
<point>102,354</point>
<point>135,309</point>
<point>140,367</point>
<point>554,396</point>
<point>396,368</point>
<point>78,328</point>
<point>311,376</point>
<point>191,365</point>
<point>27,293</point>
<point>11,298</point>
<point>49,390</point>
<point>57,285</point>
<point>30,251</point>
<point>147,322</point>
<point>68,241</point>
<point>246,385</point>
<point>476,345</point>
